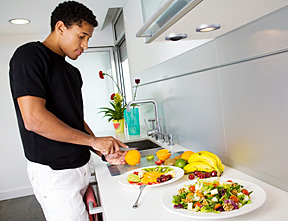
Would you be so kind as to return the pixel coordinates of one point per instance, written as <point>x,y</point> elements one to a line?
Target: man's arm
<point>41,121</point>
<point>87,128</point>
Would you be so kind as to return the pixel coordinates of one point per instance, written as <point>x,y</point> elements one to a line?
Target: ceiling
<point>39,12</point>
<point>230,14</point>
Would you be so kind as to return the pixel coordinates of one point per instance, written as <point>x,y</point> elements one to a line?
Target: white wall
<point>14,180</point>
<point>228,96</point>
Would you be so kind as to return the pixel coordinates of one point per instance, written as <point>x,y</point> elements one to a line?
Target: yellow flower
<point>118,98</point>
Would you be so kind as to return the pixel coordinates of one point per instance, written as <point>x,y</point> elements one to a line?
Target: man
<point>47,96</point>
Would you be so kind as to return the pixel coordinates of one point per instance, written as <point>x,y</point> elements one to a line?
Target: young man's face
<point>74,40</point>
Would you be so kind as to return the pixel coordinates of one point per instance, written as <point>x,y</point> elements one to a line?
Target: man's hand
<point>107,145</point>
<point>116,158</point>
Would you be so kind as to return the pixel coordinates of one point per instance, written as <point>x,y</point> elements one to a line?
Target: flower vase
<point>132,120</point>
<point>119,125</point>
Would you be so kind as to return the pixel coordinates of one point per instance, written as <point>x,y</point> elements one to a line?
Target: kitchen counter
<point>117,200</point>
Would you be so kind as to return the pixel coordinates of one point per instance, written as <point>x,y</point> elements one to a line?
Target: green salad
<point>207,196</point>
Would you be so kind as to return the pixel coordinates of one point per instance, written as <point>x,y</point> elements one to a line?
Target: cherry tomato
<point>245,192</point>
<point>230,181</point>
<point>192,188</point>
<point>136,173</point>
<point>159,162</point>
<point>234,199</point>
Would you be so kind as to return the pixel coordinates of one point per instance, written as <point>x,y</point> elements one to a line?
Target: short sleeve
<point>28,72</point>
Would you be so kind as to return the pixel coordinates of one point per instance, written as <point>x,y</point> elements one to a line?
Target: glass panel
<point>149,7</point>
<point>96,92</point>
<point>119,27</point>
<point>163,16</point>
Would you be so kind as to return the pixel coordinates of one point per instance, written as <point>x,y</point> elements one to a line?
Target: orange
<point>132,157</point>
<point>150,177</point>
<point>186,155</point>
<point>163,154</point>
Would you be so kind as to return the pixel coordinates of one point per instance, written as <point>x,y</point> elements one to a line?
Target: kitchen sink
<point>142,144</point>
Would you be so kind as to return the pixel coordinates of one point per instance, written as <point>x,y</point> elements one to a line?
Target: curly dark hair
<point>70,13</point>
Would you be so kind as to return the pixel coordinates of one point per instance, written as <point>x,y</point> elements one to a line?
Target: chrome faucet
<point>158,128</point>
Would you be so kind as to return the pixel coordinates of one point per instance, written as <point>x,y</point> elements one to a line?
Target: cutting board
<point>116,170</point>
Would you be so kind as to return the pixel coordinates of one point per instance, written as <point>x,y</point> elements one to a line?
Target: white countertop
<point>117,200</point>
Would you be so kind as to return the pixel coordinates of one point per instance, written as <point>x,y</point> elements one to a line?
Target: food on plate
<point>151,175</point>
<point>133,157</point>
<point>186,155</point>
<point>207,196</point>
<point>133,178</point>
<point>170,162</point>
<point>204,161</point>
<point>163,154</point>
<point>180,163</point>
<point>150,157</point>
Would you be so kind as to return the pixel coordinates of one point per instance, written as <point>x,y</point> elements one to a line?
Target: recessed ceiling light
<point>207,28</point>
<point>19,21</point>
<point>175,37</point>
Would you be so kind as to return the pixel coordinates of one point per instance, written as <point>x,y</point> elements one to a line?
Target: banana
<point>205,157</point>
<point>219,163</point>
<point>199,166</point>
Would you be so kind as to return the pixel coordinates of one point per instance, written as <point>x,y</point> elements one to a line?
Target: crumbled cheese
<point>246,198</point>
<point>240,194</point>
<point>214,199</point>
<point>214,191</point>
<point>190,206</point>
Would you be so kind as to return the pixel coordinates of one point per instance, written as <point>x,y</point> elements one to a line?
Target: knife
<point>127,149</point>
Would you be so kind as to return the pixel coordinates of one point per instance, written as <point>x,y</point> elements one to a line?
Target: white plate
<point>123,178</point>
<point>258,197</point>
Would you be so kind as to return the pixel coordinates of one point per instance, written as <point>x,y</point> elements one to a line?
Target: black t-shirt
<point>37,71</point>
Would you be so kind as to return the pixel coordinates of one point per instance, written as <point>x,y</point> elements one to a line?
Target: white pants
<point>60,192</point>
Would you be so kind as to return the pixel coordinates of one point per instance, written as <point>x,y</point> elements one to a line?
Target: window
<point>123,73</point>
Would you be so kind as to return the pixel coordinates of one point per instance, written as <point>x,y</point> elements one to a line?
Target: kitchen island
<point>117,200</point>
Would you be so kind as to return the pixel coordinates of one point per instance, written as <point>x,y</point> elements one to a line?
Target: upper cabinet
<point>164,17</point>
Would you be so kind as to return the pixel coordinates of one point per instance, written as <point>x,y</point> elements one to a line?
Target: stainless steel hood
<point>165,15</point>
<point>181,16</point>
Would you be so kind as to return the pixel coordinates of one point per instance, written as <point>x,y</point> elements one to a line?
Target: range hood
<point>168,12</point>
<point>230,14</point>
